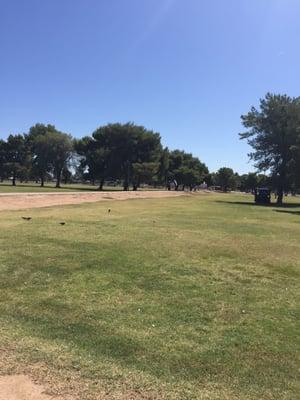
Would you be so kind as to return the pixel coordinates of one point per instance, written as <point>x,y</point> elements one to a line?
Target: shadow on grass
<point>250,203</point>
<point>62,188</point>
<point>100,338</point>
<point>46,187</point>
<point>288,212</point>
<point>90,189</point>
<point>77,189</point>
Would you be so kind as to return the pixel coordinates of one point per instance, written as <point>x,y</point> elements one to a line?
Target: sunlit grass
<point>182,298</point>
<point>31,187</point>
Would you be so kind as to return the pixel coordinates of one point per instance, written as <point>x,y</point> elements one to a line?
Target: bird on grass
<point>62,223</point>
<point>26,218</point>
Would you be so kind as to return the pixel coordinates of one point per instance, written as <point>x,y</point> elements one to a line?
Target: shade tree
<point>273,132</point>
<point>15,158</point>
<point>125,146</point>
<point>186,170</point>
<point>226,179</point>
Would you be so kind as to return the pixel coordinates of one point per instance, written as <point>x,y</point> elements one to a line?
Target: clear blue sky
<point>185,68</point>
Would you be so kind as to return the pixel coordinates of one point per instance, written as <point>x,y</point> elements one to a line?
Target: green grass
<point>31,187</point>
<point>184,298</point>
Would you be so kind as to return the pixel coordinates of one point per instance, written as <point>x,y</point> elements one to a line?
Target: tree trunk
<point>280,197</point>
<point>42,181</point>
<point>14,180</point>
<point>58,180</point>
<point>101,184</point>
<point>127,177</point>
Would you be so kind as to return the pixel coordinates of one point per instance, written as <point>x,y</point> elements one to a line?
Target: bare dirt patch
<point>22,201</point>
<point>20,387</point>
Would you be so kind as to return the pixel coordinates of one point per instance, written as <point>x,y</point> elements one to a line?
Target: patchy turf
<point>23,201</point>
<point>19,387</point>
<point>184,298</point>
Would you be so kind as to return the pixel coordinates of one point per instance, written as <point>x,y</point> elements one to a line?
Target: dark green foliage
<point>164,165</point>
<point>248,182</point>
<point>274,134</point>
<point>226,178</point>
<point>50,151</point>
<point>41,153</point>
<point>3,172</point>
<point>94,159</point>
<point>185,169</point>
<point>124,152</point>
<point>15,158</point>
<point>128,144</point>
<point>61,147</point>
<point>143,172</point>
<point>134,155</point>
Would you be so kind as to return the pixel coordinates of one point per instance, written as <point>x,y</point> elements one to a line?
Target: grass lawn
<point>192,297</point>
<point>6,187</point>
<point>49,187</point>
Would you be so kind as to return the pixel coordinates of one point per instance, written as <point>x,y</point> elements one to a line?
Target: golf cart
<point>262,196</point>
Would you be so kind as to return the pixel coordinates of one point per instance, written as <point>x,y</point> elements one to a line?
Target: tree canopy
<point>274,135</point>
<point>226,178</point>
<point>15,157</point>
<point>50,151</point>
<point>131,155</point>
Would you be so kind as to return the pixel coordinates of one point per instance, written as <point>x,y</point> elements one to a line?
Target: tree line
<point>41,154</point>
<point>126,153</point>
<point>132,155</point>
